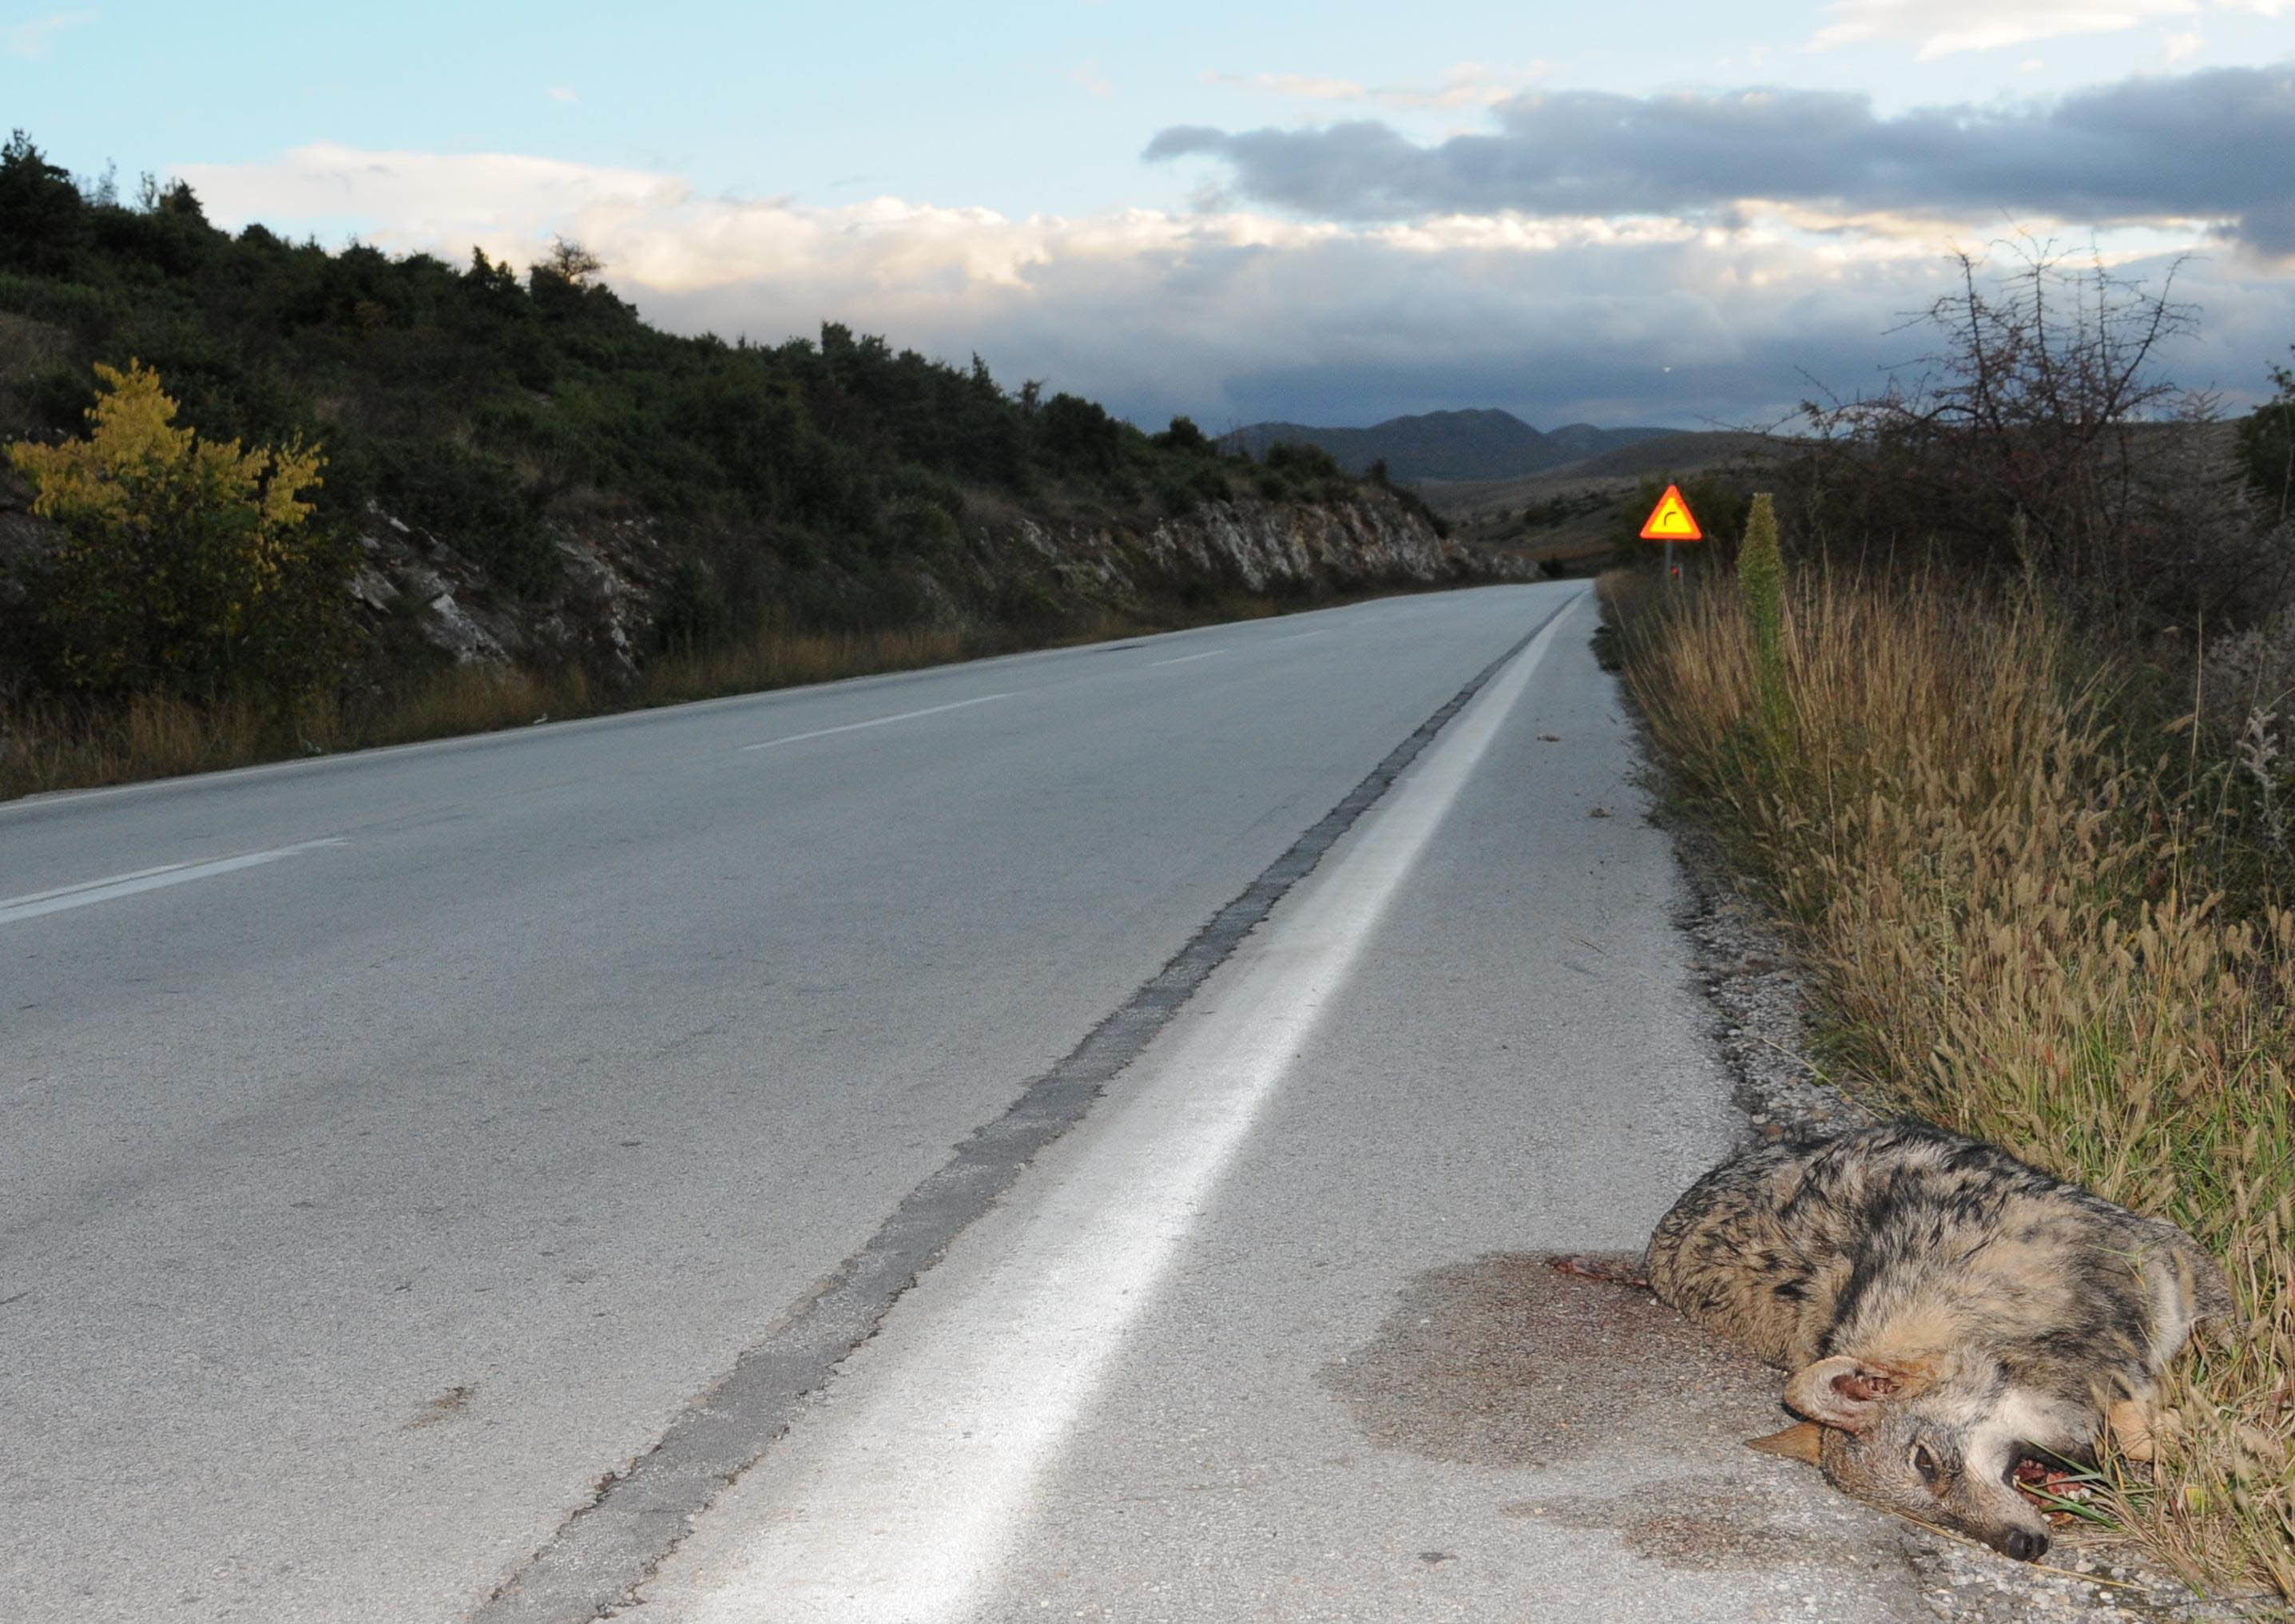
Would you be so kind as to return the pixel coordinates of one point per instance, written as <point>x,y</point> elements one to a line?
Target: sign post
<point>1671,521</point>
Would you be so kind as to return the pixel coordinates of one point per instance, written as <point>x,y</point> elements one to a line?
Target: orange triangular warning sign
<point>1670,521</point>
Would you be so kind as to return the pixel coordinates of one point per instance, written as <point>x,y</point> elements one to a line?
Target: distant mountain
<point>1482,445</point>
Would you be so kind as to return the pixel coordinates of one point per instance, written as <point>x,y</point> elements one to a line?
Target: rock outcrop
<point>601,614</point>
<point>618,571</point>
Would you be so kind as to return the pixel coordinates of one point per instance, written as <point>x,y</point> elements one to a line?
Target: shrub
<point>185,565</point>
<point>1302,461</point>
<point>1183,436</point>
<point>1718,501</point>
<point>2044,407</point>
<point>475,500</point>
<point>694,612</point>
<point>1078,436</point>
<point>2266,445</point>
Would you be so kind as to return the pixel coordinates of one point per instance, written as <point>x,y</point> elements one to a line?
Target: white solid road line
<point>897,1506</point>
<point>876,721</point>
<point>1184,659</point>
<point>37,903</point>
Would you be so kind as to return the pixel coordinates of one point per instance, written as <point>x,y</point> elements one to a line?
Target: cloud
<point>561,93</point>
<point>32,39</point>
<point>1944,27</point>
<point>1467,85</point>
<point>1236,316</point>
<point>2204,146</point>
<point>1292,85</point>
<point>432,200</point>
<point>1088,77</point>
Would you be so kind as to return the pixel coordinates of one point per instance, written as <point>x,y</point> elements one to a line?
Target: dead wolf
<point>1943,1308</point>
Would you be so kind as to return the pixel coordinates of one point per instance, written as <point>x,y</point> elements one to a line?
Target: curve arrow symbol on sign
<point>1671,520</point>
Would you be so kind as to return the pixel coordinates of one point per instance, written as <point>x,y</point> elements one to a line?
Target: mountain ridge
<point>1474,443</point>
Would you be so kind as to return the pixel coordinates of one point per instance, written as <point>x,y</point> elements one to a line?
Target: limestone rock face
<point>600,612</point>
<point>1358,543</point>
<point>1285,548</point>
<point>615,572</point>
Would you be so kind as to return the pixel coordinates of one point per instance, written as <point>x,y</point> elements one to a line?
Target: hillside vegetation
<point>517,471</point>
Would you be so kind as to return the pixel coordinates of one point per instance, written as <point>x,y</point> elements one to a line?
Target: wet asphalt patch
<point>1507,1361</point>
<point>1698,1524</point>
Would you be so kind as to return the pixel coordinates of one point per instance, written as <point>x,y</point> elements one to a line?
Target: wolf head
<point>1938,1440</point>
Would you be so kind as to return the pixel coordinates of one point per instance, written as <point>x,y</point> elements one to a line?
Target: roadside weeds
<point>54,746</point>
<point>2005,928</point>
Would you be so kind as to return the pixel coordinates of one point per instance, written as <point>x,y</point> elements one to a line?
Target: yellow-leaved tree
<point>185,565</point>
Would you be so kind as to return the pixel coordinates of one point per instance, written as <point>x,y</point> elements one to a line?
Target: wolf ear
<point>1847,1391</point>
<point>1803,1441</point>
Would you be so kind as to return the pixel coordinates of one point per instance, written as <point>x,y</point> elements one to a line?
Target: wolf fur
<point>1943,1308</point>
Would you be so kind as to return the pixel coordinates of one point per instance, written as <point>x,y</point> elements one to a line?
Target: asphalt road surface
<point>427,1177</point>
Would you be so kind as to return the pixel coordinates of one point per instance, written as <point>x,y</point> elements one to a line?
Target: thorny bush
<point>2040,437</point>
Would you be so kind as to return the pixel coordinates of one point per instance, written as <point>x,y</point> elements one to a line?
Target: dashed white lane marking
<point>897,1504</point>
<point>36,903</point>
<point>1297,636</point>
<point>1184,659</point>
<point>876,721</point>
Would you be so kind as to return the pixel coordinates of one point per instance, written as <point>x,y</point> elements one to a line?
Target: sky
<point>1685,215</point>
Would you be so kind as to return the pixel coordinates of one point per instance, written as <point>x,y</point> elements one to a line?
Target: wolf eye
<point>1925,1464</point>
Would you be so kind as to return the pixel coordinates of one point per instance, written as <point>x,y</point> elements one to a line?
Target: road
<point>426,1176</point>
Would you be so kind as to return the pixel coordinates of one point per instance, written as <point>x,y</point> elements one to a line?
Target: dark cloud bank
<point>2218,144</point>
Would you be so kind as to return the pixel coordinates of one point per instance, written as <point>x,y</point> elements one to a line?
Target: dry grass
<point>58,748</point>
<point>51,747</point>
<point>2012,931</point>
<point>776,657</point>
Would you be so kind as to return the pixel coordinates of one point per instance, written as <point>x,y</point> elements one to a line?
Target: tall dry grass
<point>778,657</point>
<point>48,746</point>
<point>55,746</point>
<point>2011,931</point>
